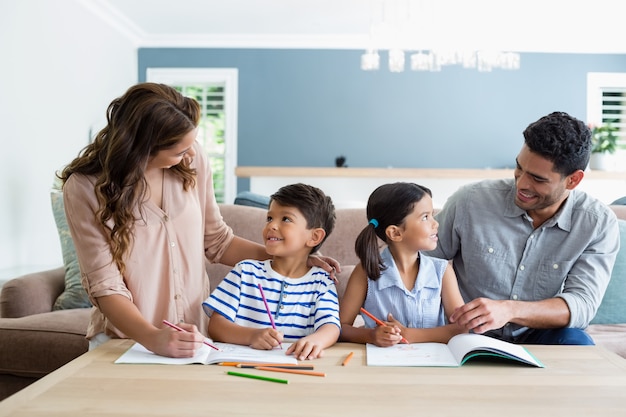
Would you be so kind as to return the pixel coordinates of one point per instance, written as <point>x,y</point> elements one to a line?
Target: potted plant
<point>604,145</point>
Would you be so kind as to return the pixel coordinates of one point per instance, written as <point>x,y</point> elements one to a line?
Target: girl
<point>410,290</point>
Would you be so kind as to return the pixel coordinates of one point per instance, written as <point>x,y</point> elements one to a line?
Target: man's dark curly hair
<point>562,139</point>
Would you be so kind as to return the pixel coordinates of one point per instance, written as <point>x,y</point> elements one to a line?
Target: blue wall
<point>305,107</point>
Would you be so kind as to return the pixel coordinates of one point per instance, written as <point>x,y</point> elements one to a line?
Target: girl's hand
<point>384,336</point>
<point>266,339</point>
<point>391,321</point>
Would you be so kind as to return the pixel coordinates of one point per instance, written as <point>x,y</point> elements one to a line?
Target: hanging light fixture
<point>409,26</point>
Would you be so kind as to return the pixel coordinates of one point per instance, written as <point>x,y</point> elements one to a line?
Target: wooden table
<point>577,381</point>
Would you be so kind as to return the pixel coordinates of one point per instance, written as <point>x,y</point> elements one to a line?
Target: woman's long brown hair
<point>148,118</point>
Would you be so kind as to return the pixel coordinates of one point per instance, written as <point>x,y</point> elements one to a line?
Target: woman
<point>142,213</point>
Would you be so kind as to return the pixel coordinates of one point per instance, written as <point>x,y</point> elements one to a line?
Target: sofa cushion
<point>609,336</point>
<point>41,289</point>
<point>247,198</point>
<point>74,295</point>
<point>613,307</point>
<point>36,345</point>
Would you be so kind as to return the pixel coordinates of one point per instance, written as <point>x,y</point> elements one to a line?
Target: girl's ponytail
<point>367,249</point>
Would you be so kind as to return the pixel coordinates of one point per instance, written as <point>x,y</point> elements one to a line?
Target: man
<point>532,254</point>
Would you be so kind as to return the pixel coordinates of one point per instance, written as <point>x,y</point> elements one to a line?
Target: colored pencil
<point>255,364</point>
<point>180,329</point>
<point>267,308</point>
<point>290,371</point>
<point>300,367</point>
<point>379,322</point>
<point>347,359</point>
<point>261,377</point>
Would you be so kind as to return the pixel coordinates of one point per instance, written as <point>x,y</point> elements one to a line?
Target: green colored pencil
<point>261,377</point>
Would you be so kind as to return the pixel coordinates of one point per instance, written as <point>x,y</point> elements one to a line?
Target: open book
<point>205,355</point>
<point>459,350</point>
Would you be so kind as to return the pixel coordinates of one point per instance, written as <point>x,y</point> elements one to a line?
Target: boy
<point>301,299</point>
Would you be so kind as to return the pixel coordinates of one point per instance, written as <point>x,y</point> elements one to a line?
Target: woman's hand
<point>327,263</point>
<point>177,344</point>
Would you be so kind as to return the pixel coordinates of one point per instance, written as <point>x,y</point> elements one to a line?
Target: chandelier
<point>410,27</point>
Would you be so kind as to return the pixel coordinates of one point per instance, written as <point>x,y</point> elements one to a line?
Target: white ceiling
<point>585,26</point>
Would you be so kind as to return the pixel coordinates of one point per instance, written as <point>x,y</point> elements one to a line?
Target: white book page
<point>415,354</point>
<point>139,354</point>
<point>239,353</point>
<point>462,344</point>
<point>206,355</point>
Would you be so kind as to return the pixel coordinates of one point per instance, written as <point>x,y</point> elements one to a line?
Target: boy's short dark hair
<point>318,209</point>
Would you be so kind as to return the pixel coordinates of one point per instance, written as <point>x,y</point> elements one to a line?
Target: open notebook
<point>456,352</point>
<point>205,355</point>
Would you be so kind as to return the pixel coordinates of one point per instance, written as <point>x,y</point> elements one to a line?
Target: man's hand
<point>482,314</point>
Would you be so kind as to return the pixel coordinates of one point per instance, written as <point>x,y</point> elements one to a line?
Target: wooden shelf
<point>350,187</point>
<point>259,171</point>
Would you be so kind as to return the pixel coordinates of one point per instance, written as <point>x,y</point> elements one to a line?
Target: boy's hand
<point>266,339</point>
<point>306,348</point>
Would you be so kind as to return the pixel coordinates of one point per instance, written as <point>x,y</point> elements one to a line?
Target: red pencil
<point>180,329</point>
<point>379,322</point>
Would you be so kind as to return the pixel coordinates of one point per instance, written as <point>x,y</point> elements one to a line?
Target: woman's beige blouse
<point>165,270</point>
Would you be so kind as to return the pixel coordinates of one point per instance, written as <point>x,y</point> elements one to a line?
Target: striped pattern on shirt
<point>299,306</point>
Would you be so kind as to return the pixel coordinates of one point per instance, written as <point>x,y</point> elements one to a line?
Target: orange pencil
<point>228,363</point>
<point>290,371</point>
<point>379,322</point>
<point>347,359</point>
<point>254,364</point>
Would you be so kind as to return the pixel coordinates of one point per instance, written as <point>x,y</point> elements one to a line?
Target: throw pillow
<point>247,198</point>
<point>74,295</point>
<point>613,309</point>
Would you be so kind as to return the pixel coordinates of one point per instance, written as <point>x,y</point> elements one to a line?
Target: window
<point>606,101</point>
<point>216,91</point>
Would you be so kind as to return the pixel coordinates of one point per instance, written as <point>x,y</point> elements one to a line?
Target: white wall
<point>61,65</point>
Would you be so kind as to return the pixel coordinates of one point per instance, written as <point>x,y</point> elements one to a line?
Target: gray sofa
<point>34,340</point>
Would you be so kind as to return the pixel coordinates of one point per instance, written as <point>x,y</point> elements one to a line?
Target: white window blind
<point>606,102</point>
<point>216,91</point>
<point>614,110</point>
<point>211,128</point>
